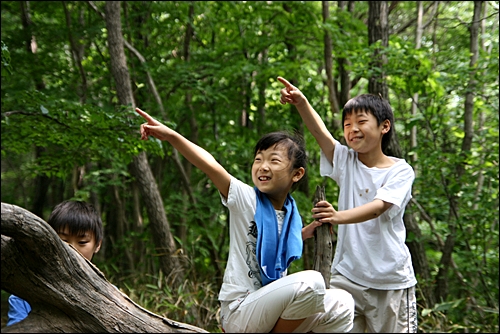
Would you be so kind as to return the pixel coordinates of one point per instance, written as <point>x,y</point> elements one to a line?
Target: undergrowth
<point>193,302</point>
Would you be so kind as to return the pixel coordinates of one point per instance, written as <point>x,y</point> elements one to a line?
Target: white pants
<point>380,311</point>
<point>297,296</point>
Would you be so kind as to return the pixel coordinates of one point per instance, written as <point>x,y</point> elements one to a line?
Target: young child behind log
<point>266,235</point>
<point>76,223</point>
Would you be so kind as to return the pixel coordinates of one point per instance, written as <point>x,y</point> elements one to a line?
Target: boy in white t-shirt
<point>371,259</point>
<point>265,236</point>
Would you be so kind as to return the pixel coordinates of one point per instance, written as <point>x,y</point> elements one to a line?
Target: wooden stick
<point>323,246</point>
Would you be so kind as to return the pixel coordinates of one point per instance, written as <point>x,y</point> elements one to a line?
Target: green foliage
<point>223,94</point>
<point>6,67</point>
<point>71,133</point>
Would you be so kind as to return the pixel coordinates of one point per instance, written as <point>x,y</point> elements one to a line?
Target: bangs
<point>78,217</point>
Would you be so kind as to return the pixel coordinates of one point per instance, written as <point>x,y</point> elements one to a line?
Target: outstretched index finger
<point>285,82</point>
<point>145,115</point>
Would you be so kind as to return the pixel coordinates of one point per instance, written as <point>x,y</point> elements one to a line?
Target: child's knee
<point>313,279</point>
<point>339,311</point>
<point>339,303</point>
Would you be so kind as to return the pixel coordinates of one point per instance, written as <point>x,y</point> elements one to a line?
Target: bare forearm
<point>291,94</point>
<point>316,126</point>
<point>361,213</point>
<point>202,159</point>
<point>308,231</point>
<point>195,154</point>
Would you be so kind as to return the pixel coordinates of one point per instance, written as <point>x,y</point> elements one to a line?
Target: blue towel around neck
<point>272,254</point>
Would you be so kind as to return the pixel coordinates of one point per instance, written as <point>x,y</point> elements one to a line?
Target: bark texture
<point>323,245</point>
<point>328,53</point>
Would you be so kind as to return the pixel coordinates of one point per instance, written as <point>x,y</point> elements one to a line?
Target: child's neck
<point>375,159</point>
<point>277,203</point>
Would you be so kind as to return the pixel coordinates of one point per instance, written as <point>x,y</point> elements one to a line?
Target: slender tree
<point>446,258</point>
<point>160,228</point>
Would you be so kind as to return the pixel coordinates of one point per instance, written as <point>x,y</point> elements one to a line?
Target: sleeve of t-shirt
<point>397,190</point>
<point>18,310</point>
<point>241,196</point>
<point>335,168</point>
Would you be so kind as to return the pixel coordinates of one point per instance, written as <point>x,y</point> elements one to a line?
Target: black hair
<point>78,216</point>
<point>293,143</point>
<point>375,105</point>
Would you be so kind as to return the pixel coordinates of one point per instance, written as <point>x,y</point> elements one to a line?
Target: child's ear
<point>299,173</point>
<point>386,126</point>
<point>98,247</point>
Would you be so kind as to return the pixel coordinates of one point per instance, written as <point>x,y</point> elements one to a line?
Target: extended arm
<point>192,152</point>
<point>291,94</point>
<point>325,213</point>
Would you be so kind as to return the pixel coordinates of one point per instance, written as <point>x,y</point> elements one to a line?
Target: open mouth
<point>264,178</point>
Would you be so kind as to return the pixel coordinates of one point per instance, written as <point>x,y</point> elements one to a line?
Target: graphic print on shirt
<point>251,257</point>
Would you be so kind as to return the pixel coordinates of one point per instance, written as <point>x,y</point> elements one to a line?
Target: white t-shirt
<point>242,275</point>
<point>372,253</point>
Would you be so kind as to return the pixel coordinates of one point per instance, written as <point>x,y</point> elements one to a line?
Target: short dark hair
<point>377,106</point>
<point>293,143</point>
<point>78,216</point>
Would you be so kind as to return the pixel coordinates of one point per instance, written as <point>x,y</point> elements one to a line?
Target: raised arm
<point>194,153</point>
<point>291,94</point>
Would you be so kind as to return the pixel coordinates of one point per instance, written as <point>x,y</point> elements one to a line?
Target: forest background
<point>209,69</point>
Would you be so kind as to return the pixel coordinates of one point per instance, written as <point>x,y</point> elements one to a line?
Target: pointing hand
<point>152,127</point>
<point>290,94</point>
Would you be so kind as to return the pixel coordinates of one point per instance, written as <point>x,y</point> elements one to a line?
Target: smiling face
<point>84,242</point>
<point>362,133</point>
<point>273,175</point>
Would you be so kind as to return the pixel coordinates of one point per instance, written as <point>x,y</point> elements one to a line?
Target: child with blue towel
<point>266,235</point>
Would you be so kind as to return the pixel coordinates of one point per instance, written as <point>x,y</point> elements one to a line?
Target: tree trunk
<point>446,258</point>
<point>77,50</point>
<point>41,181</point>
<point>344,73</point>
<point>119,211</point>
<point>378,30</point>
<point>67,292</point>
<point>261,81</point>
<point>419,259</point>
<point>182,226</point>
<point>414,104</point>
<point>330,82</point>
<point>297,122</point>
<point>415,245</point>
<point>323,245</point>
<point>160,228</point>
